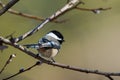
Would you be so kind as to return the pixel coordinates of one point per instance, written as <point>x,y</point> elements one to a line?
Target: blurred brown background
<point>92,40</point>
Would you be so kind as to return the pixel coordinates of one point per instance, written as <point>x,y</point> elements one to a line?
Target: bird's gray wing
<point>50,45</point>
<point>31,46</point>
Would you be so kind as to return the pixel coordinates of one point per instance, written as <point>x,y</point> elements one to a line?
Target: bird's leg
<point>53,60</point>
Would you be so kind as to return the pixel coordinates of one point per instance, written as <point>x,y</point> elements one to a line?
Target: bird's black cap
<point>57,33</point>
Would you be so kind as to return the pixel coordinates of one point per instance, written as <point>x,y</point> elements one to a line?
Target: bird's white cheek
<point>54,52</point>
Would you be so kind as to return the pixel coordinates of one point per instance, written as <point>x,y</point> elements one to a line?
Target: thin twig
<point>7,62</point>
<point>109,77</point>
<point>7,6</point>
<point>63,10</point>
<point>29,16</point>
<point>78,69</point>
<point>24,70</point>
<point>96,10</point>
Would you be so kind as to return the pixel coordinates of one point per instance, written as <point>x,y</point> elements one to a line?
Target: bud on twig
<point>8,62</point>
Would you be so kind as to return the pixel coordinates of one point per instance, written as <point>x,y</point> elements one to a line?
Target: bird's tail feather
<point>31,45</point>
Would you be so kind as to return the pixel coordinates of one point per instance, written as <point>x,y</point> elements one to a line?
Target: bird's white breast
<point>50,53</point>
<point>54,52</point>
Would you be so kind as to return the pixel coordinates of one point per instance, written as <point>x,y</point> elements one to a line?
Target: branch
<point>63,10</point>
<point>8,62</point>
<point>78,69</point>
<point>27,15</point>
<point>9,5</point>
<point>30,16</point>
<point>24,70</point>
<point>109,77</point>
<point>96,11</point>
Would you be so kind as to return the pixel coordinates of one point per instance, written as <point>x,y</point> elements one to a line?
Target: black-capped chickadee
<point>49,45</point>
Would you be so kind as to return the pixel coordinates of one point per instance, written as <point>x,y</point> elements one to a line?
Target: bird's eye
<point>44,40</point>
<point>61,41</point>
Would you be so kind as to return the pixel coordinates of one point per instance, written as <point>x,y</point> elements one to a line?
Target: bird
<point>49,45</point>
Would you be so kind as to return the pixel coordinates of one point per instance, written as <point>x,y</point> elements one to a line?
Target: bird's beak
<point>63,40</point>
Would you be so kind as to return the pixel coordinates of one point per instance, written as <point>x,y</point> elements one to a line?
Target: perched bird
<point>49,45</point>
